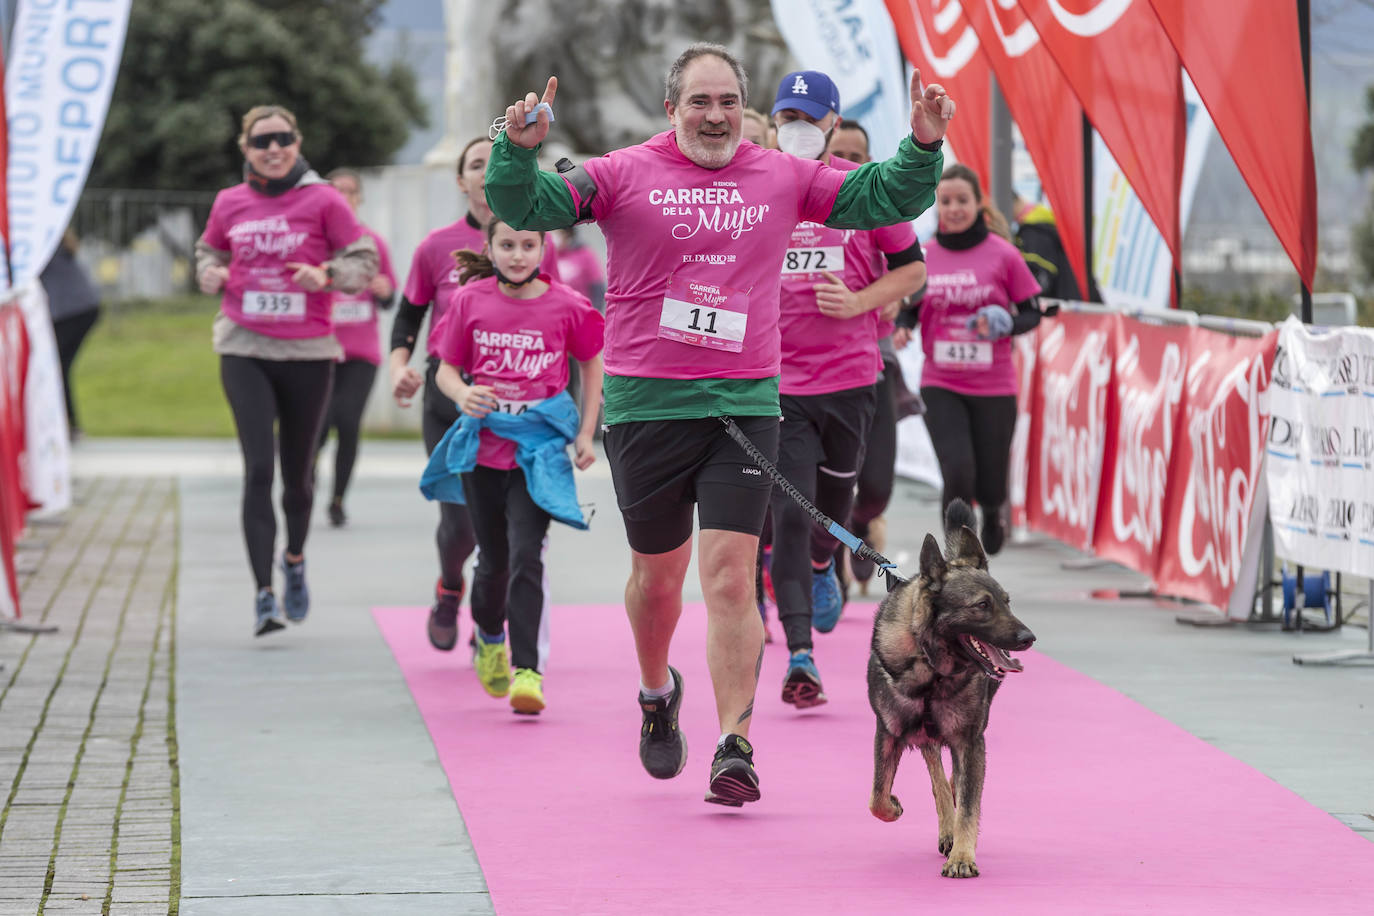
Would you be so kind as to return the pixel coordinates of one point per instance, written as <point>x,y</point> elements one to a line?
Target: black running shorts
<point>662,467</point>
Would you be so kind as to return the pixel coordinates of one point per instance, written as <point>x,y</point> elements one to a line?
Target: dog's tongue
<point>1000,658</point>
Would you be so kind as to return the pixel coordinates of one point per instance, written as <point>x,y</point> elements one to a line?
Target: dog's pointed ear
<point>933,564</point>
<point>963,544</point>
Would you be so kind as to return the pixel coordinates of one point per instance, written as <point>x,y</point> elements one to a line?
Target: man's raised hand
<point>530,135</point>
<point>931,109</point>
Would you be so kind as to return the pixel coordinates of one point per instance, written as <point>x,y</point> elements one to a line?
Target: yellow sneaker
<point>527,692</point>
<point>493,667</point>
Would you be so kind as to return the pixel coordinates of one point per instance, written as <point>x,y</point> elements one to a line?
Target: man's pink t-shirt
<point>820,354</point>
<point>355,314</point>
<point>958,284</point>
<point>519,347</point>
<point>694,292</point>
<point>434,275</point>
<point>263,234</point>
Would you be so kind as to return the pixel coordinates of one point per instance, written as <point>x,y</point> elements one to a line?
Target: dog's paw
<point>946,843</point>
<point>886,812</point>
<point>959,868</point>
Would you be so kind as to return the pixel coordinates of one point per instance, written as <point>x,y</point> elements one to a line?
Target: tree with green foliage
<point>191,69</point>
<point>1362,155</point>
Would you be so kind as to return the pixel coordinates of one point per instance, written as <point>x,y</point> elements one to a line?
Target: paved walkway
<point>88,755</point>
<point>155,758</point>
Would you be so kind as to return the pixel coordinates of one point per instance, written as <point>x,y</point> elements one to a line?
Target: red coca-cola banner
<point>13,502</point>
<point>938,41</point>
<point>1044,107</point>
<point>1147,381</point>
<point>1120,64</point>
<point>1245,59</point>
<point>1069,425</point>
<point>1215,465</point>
<point>1023,349</point>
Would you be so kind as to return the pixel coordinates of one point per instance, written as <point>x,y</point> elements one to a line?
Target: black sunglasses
<point>284,139</point>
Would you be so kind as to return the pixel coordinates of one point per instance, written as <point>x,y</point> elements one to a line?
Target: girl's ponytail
<point>473,265</point>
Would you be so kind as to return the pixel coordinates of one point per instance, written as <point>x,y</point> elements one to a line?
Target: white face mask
<point>802,139</point>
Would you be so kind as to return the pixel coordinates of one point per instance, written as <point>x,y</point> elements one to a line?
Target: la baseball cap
<point>810,91</point>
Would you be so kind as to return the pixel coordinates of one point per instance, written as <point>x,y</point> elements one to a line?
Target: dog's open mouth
<point>996,663</point>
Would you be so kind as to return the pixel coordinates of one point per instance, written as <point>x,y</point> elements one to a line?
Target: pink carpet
<point>1093,804</point>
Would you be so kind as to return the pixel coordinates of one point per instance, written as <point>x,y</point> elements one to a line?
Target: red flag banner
<point>1044,108</point>
<point>936,38</point>
<point>1128,79</point>
<point>1245,60</point>
<point>14,358</point>
<point>1148,379</point>
<point>1069,425</point>
<point>1215,465</point>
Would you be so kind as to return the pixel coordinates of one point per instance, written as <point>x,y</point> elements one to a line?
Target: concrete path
<point>156,758</point>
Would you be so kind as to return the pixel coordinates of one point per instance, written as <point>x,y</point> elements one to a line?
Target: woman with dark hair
<point>434,278</point>
<point>979,293</point>
<point>277,247</point>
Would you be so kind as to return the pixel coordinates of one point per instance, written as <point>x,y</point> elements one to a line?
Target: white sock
<point>658,693</point>
<point>721,743</point>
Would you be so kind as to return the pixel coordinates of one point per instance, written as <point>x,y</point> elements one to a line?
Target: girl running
<point>355,327</point>
<point>277,246</point>
<point>432,281</point>
<point>510,329</point>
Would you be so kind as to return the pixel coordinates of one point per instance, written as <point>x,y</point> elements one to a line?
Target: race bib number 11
<point>704,315</point>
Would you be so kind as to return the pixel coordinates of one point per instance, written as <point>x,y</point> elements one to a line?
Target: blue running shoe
<point>827,600</point>
<point>297,597</point>
<point>802,686</point>
<point>267,615</point>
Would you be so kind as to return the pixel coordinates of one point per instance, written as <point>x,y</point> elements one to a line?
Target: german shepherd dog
<point>938,654</point>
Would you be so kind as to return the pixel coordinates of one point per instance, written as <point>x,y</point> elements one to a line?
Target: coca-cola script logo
<point>1074,430</point>
<point>1223,472</point>
<point>1142,457</point>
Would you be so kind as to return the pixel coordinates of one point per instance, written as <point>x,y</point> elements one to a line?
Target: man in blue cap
<point>837,285</point>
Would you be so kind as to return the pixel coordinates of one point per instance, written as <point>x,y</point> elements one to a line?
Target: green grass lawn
<point>147,369</point>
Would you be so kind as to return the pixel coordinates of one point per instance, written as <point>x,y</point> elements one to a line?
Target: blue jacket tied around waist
<point>541,435</point>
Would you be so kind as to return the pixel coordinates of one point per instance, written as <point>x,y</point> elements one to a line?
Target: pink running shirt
<point>821,355</point>
<point>519,347</point>
<point>958,284</point>
<point>434,275</point>
<point>355,314</point>
<point>262,234</point>
<point>694,292</point>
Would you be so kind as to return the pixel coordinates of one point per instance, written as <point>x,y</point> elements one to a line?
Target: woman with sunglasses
<point>434,279</point>
<point>277,247</point>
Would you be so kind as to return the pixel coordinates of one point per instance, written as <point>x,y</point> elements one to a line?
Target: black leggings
<point>880,456</point>
<point>293,396</point>
<point>508,583</point>
<point>352,384</point>
<point>972,439</point>
<point>70,332</point>
<point>820,449</point>
<point>454,535</point>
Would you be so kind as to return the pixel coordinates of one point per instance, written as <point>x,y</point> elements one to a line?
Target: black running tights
<point>352,384</point>
<point>508,584</point>
<point>972,439</point>
<point>454,535</point>
<point>880,455</point>
<point>292,396</point>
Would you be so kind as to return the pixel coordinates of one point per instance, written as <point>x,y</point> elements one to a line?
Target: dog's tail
<point>959,513</point>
